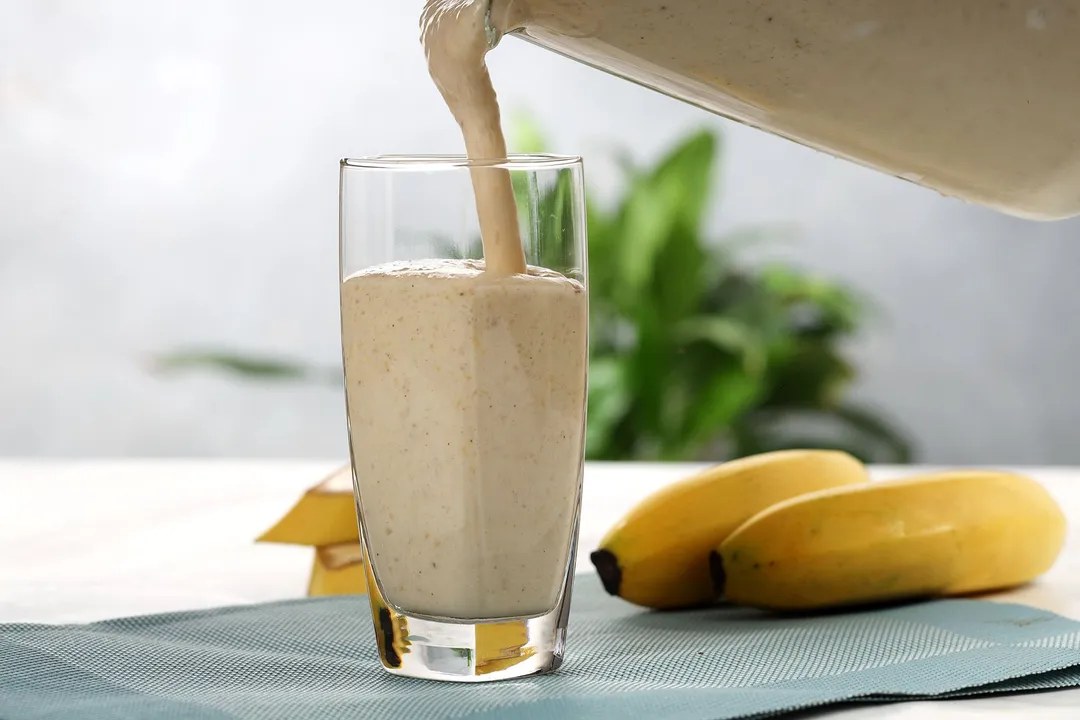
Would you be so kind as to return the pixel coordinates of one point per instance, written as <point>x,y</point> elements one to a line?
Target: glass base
<point>468,651</point>
<point>462,652</point>
<point>420,647</point>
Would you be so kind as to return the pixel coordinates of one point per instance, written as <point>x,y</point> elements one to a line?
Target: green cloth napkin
<point>316,659</point>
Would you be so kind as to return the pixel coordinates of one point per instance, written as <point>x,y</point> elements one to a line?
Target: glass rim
<point>431,163</point>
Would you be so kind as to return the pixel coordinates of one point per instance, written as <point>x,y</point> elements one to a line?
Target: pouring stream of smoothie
<point>455,37</point>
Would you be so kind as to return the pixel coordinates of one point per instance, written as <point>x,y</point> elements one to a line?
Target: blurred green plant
<point>694,354</point>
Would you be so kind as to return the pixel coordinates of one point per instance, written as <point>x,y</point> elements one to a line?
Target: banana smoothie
<point>466,408</point>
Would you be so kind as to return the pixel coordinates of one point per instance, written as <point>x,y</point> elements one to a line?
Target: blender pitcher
<point>979,100</point>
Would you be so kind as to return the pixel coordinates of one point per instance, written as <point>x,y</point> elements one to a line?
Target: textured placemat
<point>316,659</point>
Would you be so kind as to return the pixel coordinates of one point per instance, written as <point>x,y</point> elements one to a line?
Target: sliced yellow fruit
<point>324,515</point>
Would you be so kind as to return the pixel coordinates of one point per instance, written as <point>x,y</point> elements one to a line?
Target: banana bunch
<point>822,536</point>
<point>657,556</point>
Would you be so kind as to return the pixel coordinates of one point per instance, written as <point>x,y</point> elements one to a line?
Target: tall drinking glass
<point>465,394</point>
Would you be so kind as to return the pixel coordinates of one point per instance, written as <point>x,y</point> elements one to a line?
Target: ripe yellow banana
<point>949,533</point>
<point>657,556</point>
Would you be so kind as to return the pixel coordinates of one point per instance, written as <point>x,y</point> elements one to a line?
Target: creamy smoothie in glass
<point>466,392</point>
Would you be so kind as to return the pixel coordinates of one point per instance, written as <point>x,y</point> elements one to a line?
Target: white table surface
<point>82,541</point>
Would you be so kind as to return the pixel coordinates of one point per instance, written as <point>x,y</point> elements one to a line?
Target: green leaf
<point>729,394</point>
<point>837,309</point>
<point>686,173</point>
<point>727,334</point>
<point>812,375</point>
<point>609,401</point>
<point>678,278</point>
<point>558,224</point>
<point>525,193</point>
<point>603,254</point>
<point>649,364</point>
<point>672,196</point>
<point>251,366</point>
